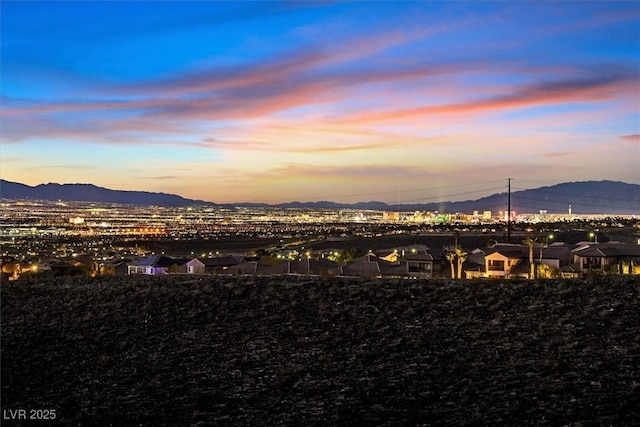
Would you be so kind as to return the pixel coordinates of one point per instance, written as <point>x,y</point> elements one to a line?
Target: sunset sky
<point>343,101</point>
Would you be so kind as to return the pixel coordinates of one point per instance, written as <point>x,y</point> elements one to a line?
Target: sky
<point>402,102</point>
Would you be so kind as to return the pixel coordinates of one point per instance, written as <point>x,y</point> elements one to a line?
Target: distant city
<point>585,197</point>
<point>94,238</point>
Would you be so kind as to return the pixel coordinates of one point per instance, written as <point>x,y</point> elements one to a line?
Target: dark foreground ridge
<point>285,351</point>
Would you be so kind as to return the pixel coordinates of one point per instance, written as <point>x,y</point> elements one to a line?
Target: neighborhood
<point>499,261</point>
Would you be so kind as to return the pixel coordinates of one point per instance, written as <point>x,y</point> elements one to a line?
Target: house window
<point>592,263</point>
<point>496,265</point>
<point>419,267</point>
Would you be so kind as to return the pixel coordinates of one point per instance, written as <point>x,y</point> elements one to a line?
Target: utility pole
<point>508,210</point>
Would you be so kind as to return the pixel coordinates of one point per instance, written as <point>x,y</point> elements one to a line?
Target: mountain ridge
<point>605,197</point>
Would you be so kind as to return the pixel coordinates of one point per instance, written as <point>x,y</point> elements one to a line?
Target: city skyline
<point>279,101</point>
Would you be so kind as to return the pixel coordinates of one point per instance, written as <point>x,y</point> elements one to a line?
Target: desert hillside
<point>179,350</point>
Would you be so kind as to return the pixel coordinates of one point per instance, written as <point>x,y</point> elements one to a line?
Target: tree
<point>175,268</point>
<point>349,254</point>
<point>532,268</point>
<point>461,256</point>
<point>106,270</point>
<point>451,257</point>
<point>548,271</point>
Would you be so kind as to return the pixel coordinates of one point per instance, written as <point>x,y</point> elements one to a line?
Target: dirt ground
<point>179,350</point>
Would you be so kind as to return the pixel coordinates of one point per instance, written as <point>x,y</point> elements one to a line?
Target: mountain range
<point>597,197</point>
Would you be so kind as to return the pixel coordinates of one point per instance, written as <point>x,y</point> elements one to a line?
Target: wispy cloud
<point>69,167</point>
<point>160,178</point>
<point>579,89</point>
<point>632,138</point>
<point>418,93</point>
<point>236,144</point>
<point>559,154</point>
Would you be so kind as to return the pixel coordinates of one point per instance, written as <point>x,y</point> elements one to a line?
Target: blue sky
<point>345,101</point>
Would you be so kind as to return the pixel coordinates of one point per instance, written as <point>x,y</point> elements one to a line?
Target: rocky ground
<point>180,350</point>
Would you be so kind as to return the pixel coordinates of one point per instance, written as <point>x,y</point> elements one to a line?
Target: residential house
<point>393,269</point>
<point>440,264</point>
<point>474,265</point>
<point>506,261</point>
<point>315,267</point>
<point>118,267</point>
<point>556,255</point>
<point>272,267</point>
<point>63,268</point>
<point>611,257</point>
<point>244,268</point>
<point>404,251</point>
<point>419,264</point>
<point>362,268</point>
<point>154,265</point>
<point>391,255</point>
<point>216,265</point>
<point>45,263</point>
<point>86,262</point>
<point>512,260</point>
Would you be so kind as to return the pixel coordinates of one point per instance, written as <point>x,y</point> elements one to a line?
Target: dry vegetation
<point>286,351</point>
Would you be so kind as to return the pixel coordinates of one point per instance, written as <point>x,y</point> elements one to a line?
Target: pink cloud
<point>236,144</point>
<point>309,78</point>
<point>590,89</point>
<point>342,148</point>
<point>559,154</point>
<point>633,137</point>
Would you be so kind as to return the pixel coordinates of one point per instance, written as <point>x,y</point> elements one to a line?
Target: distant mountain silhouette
<point>91,193</point>
<point>604,197</point>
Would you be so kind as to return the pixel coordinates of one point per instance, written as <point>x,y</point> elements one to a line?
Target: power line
<point>413,190</point>
<point>453,196</point>
<point>420,189</point>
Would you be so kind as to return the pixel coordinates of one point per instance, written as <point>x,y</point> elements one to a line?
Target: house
<point>244,268</point>
<point>440,263</point>
<point>315,267</point>
<point>474,265</point>
<point>117,267</point>
<point>412,249</point>
<point>391,255</point>
<point>419,264</point>
<point>556,255</point>
<point>415,263</point>
<point>502,261</point>
<point>362,268</point>
<point>85,261</point>
<point>216,265</point>
<point>272,267</point>
<point>611,257</point>
<point>154,265</point>
<point>63,268</point>
<point>393,269</point>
